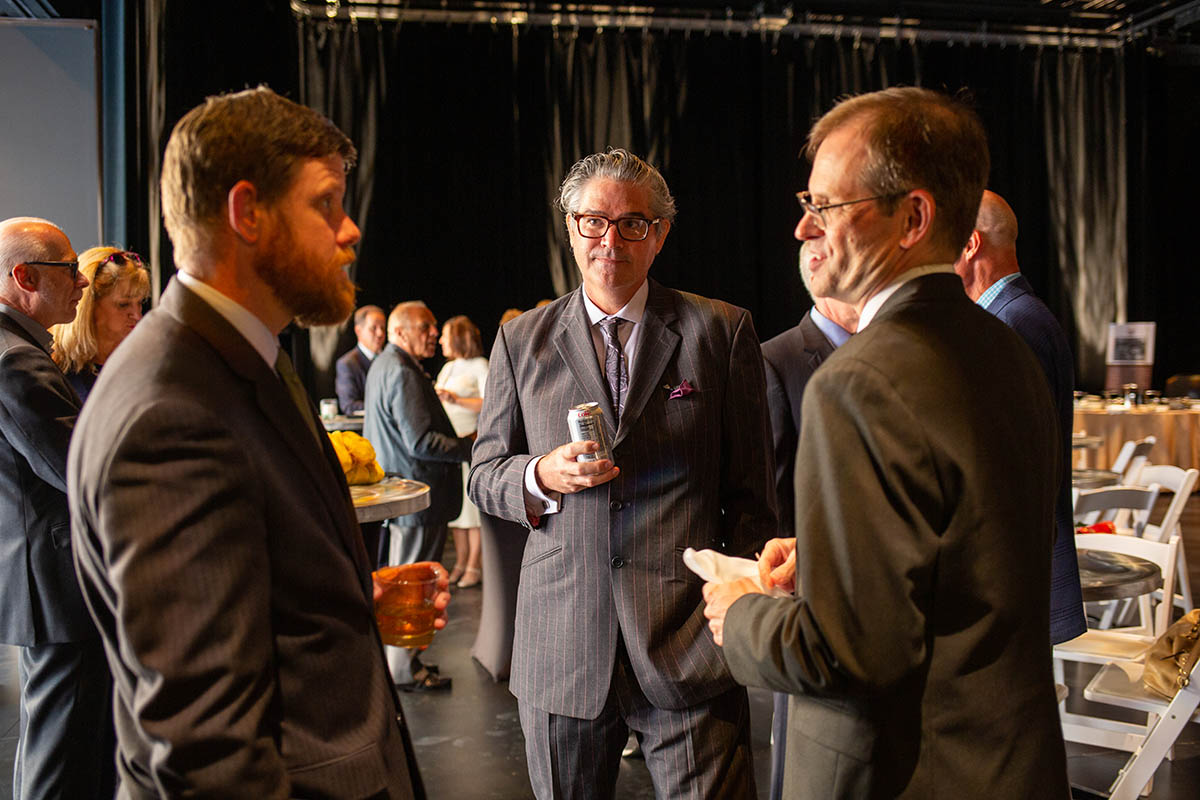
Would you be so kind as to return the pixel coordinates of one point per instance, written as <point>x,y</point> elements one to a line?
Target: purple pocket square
<point>682,390</point>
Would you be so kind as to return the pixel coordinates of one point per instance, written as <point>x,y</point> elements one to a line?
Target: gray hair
<point>617,164</point>
<point>20,241</point>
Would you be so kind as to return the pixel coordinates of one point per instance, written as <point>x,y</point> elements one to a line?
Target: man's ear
<point>972,246</point>
<point>918,208</point>
<point>26,277</point>
<point>246,212</point>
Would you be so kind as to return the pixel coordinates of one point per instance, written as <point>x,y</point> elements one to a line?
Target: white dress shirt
<point>537,502</point>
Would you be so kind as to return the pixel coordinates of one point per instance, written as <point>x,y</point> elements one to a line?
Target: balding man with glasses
<point>65,743</point>
<point>609,631</point>
<point>914,646</point>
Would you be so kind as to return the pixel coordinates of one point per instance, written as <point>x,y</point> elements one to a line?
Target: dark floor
<point>469,742</point>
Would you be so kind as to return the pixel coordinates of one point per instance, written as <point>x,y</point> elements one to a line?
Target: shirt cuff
<point>537,502</point>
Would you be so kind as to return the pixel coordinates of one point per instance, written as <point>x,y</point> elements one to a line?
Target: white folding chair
<point>1182,482</point>
<point>1128,507</point>
<point>1131,458</point>
<point>1120,644</point>
<point>1120,684</point>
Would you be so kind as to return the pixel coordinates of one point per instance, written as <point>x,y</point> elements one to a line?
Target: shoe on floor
<point>426,680</point>
<point>472,576</point>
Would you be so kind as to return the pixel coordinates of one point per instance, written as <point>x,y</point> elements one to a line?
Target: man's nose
<point>809,227</point>
<point>349,233</point>
<point>611,237</point>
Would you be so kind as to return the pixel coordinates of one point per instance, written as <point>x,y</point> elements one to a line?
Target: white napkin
<point>714,566</point>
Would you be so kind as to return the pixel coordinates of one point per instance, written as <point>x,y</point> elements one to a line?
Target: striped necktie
<point>615,369</point>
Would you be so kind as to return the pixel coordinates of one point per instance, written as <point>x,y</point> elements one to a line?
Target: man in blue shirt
<point>992,278</point>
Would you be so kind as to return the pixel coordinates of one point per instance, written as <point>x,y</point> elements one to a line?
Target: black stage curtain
<point>466,133</point>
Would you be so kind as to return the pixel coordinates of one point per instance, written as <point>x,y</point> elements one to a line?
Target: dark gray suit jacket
<point>40,602</point>
<point>1019,308</point>
<point>789,360</point>
<point>916,649</point>
<point>695,472</point>
<point>351,380</point>
<point>221,559</point>
<point>412,435</point>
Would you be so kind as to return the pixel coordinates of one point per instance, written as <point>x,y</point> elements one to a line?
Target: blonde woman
<point>460,387</point>
<point>118,285</point>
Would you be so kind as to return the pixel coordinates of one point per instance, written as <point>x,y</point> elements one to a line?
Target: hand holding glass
<point>410,603</point>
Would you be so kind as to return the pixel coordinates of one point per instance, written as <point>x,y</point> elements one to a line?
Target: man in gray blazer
<point>413,437</point>
<point>64,734</point>
<point>916,646</point>
<point>609,631</point>
<point>213,529</point>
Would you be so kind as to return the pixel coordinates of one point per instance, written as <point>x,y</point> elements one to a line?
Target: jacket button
<point>617,562</point>
<point>615,505</point>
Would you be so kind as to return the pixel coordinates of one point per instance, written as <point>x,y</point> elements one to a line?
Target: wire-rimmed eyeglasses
<point>818,211</point>
<point>631,229</point>
<point>73,266</point>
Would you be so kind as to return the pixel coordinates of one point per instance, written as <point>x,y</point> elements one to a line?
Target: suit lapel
<point>574,344</point>
<point>276,405</point>
<point>657,345</point>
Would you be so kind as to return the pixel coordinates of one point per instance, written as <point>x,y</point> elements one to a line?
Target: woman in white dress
<point>460,387</point>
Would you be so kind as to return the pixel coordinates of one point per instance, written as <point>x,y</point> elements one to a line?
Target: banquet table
<point>342,422</point>
<point>1177,432</point>
<point>391,497</point>
<point>1093,478</point>
<point>1104,575</point>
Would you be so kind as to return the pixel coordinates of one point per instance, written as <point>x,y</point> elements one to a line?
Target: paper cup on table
<point>405,611</point>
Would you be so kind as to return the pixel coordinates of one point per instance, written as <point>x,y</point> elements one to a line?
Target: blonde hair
<point>75,345</point>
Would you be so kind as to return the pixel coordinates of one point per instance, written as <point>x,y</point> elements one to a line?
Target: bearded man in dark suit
<point>64,733</point>
<point>214,534</point>
<point>991,277</point>
<point>609,631</point>
<point>915,646</point>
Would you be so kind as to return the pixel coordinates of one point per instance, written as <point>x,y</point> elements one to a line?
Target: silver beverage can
<point>586,423</point>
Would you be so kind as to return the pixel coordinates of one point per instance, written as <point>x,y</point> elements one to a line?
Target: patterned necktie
<point>283,365</point>
<point>615,369</point>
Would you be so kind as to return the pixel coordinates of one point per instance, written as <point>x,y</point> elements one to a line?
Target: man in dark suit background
<point>789,360</point>
<point>64,735</point>
<point>609,632</point>
<point>915,647</point>
<point>350,382</point>
<point>992,278</point>
<point>213,529</point>
<point>414,438</point>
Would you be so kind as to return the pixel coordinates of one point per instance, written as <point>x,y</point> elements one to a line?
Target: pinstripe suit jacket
<point>696,471</point>
<point>1019,308</point>
<point>221,559</point>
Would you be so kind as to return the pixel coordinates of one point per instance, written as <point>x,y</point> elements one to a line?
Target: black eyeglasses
<point>631,229</point>
<point>73,266</point>
<point>818,211</point>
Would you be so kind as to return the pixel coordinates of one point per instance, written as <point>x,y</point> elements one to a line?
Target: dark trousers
<point>66,745</point>
<point>697,753</point>
<point>409,544</point>
<point>778,744</point>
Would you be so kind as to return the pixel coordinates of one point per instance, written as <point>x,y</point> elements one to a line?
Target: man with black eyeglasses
<point>609,632</point>
<point>65,740</point>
